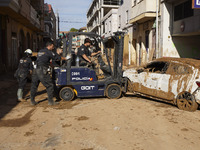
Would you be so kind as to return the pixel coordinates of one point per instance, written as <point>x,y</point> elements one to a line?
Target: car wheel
<point>67,94</point>
<point>186,101</point>
<point>113,91</point>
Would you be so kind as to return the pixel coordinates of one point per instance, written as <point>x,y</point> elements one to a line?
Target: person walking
<point>41,73</point>
<point>24,68</point>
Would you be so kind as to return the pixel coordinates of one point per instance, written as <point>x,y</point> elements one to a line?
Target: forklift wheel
<point>67,94</point>
<point>113,91</point>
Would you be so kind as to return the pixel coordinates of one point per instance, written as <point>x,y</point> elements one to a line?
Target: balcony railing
<point>34,16</point>
<point>112,2</point>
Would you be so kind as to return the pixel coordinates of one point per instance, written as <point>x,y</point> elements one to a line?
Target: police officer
<point>56,64</point>
<point>58,54</point>
<point>24,68</point>
<point>84,53</point>
<point>41,73</point>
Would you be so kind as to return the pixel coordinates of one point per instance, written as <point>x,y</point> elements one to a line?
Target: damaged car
<point>175,80</point>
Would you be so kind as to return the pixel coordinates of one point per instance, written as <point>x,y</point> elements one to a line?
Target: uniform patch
<point>41,53</point>
<point>82,49</point>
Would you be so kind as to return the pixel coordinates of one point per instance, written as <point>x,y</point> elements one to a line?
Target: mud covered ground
<point>129,123</point>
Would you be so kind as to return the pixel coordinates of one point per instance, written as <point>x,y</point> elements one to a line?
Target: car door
<point>180,76</point>
<point>151,77</point>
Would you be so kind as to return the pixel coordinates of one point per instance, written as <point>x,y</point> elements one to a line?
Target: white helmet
<point>28,51</point>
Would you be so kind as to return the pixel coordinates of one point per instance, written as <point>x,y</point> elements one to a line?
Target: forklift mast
<point>118,54</point>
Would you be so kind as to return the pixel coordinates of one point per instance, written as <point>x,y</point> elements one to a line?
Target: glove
<point>68,57</point>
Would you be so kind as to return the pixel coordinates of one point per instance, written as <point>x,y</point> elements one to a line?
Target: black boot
<point>33,102</point>
<point>51,102</point>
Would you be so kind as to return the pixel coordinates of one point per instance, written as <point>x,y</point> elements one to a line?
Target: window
<point>183,10</point>
<point>158,67</point>
<point>179,69</point>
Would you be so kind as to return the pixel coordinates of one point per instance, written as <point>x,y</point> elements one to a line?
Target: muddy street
<point>130,123</point>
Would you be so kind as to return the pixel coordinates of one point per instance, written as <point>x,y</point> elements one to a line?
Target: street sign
<point>196,4</point>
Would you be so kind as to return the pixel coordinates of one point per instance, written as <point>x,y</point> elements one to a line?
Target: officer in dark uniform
<point>58,63</point>
<point>84,53</point>
<point>41,73</point>
<point>24,68</point>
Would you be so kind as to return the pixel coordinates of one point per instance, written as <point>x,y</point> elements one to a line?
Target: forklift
<point>73,80</point>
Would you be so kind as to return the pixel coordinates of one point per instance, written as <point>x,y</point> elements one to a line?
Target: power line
<point>73,21</point>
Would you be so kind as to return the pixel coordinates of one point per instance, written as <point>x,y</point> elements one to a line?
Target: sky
<point>72,13</point>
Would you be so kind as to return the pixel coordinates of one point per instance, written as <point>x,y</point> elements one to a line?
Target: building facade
<point>180,29</point>
<point>143,17</point>
<point>49,23</point>
<point>153,28</point>
<point>123,16</point>
<point>21,25</point>
<point>97,12</point>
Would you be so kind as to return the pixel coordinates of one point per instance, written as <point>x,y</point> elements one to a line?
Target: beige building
<point>143,17</point>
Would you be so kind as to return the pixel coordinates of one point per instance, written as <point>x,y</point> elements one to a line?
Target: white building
<point>97,15</point>
<point>124,25</point>
<point>110,23</point>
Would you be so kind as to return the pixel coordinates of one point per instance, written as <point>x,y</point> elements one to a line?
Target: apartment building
<point>21,22</point>
<point>97,15</point>
<point>123,16</point>
<point>49,23</point>
<point>180,29</point>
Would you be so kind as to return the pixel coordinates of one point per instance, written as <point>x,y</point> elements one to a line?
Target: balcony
<point>112,2</point>
<point>9,6</point>
<point>143,11</point>
<point>34,17</point>
<point>21,11</point>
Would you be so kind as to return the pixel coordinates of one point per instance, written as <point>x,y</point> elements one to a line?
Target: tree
<point>73,30</point>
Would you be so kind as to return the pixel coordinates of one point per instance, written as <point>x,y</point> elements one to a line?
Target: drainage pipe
<point>157,47</point>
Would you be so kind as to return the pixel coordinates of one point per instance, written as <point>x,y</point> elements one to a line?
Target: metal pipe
<point>129,51</point>
<point>157,48</point>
